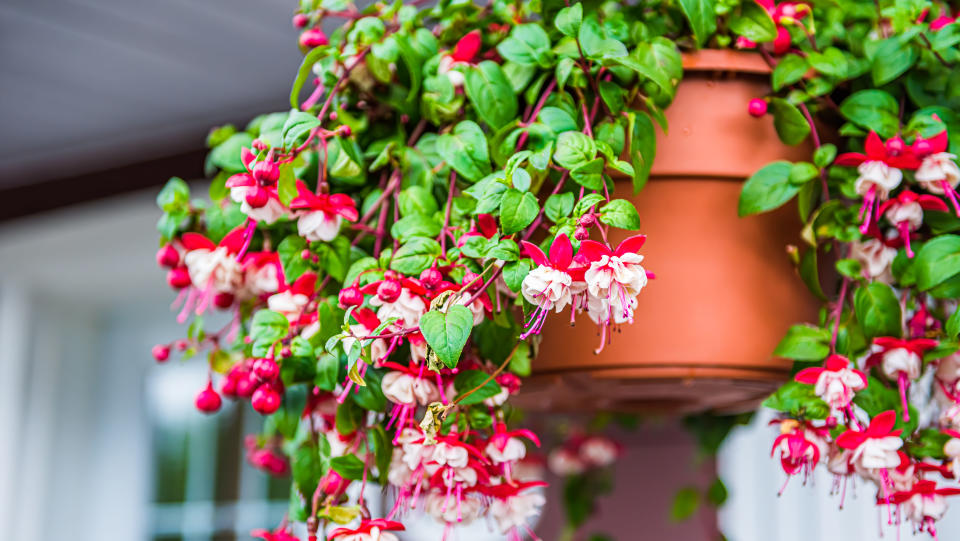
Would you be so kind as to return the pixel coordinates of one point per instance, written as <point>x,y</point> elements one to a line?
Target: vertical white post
<point>14,336</point>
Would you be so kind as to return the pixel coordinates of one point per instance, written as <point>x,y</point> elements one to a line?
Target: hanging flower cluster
<point>378,254</point>
<point>875,391</point>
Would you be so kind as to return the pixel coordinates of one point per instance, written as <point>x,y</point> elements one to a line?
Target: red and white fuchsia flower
<point>876,446</point>
<point>551,285</point>
<point>835,382</point>
<point>938,172</point>
<point>905,212</point>
<point>801,447</point>
<point>463,54</point>
<point>369,530</point>
<point>901,361</point>
<point>321,215</point>
<point>924,504</point>
<point>880,172</point>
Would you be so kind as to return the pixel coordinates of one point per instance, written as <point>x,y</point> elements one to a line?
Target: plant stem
<point>837,314</point>
<point>446,214</point>
<point>490,377</point>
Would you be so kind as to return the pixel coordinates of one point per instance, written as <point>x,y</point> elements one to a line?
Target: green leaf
<point>789,70</point>
<point>620,213</point>
<point>517,210</point>
<point>851,268</point>
<point>417,200</point>
<point>471,379</point>
<point>824,155</point>
<point>175,196</point>
<point>938,261</point>
<point>527,44</point>
<point>297,126</point>
<point>290,250</point>
<point>287,184</point>
<point>557,119</point>
<point>953,325</point>
<point>447,333</point>
<point>830,62</point>
<point>584,204</point>
<point>798,400</point>
<point>878,398</point>
<point>382,449</point>
<point>613,96</point>
<point>802,172</point>
<point>348,466</point>
<point>685,504</point>
<point>928,444</point>
<point>804,343</point>
<point>490,93</point>
<point>520,362</point>
<point>416,225</point>
<point>873,109</point>
<point>767,189</point>
<point>574,149</point>
<point>810,274</point>
<point>268,326</point>
<point>878,310</point>
<point>515,272</point>
<point>328,368</point>
<point>466,150</point>
<point>568,20</point>
<point>643,147</point>
<point>659,61</point>
<point>791,125</point>
<point>415,256</point>
<point>754,23</point>
<point>226,155</point>
<point>589,174</point>
<point>717,493</point>
<point>595,42</point>
<point>892,58</point>
<point>701,14</point>
<point>558,205</point>
<point>304,72</point>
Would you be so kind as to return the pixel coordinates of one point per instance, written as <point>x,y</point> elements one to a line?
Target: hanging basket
<point>725,290</point>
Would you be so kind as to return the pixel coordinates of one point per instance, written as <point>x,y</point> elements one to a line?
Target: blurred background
<point>100,102</point>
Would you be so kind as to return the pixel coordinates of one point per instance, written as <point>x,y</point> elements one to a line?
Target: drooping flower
<point>463,53</point>
<point>938,172</point>
<point>550,286</point>
<point>835,382</point>
<point>514,504</point>
<point>876,446</point>
<point>952,451</point>
<point>292,300</point>
<point>369,530</point>
<point>397,297</point>
<point>599,451</point>
<point>506,446</point>
<point>256,191</point>
<point>213,269</point>
<point>280,534</point>
<point>924,504</point>
<point>875,257</point>
<point>880,172</point>
<point>801,446</point>
<point>321,215</point>
<point>901,361</point>
<point>906,213</point>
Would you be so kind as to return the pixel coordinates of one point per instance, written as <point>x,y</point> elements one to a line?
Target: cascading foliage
<point>388,249</point>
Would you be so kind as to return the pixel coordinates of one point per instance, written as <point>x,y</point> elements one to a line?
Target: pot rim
<point>725,60</point>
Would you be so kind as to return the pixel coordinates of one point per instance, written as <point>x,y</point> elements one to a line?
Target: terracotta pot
<point>725,290</point>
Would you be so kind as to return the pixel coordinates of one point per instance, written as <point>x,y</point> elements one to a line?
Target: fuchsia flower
<point>214,270</point>
<point>900,360</point>
<point>513,504</point>
<point>463,53</point>
<point>613,279</point>
<point>924,504</point>
<point>292,300</point>
<point>952,451</point>
<point>369,530</point>
<point>506,446</point>
<point>322,213</point>
<point>256,190</point>
<point>266,458</point>
<point>875,256</point>
<point>551,285</point>
<point>906,212</point>
<point>397,296</point>
<point>801,446</point>
<point>835,382</point>
<point>783,14</point>
<point>876,447</point>
<point>280,534</point>
<point>938,173</point>
<point>880,171</point>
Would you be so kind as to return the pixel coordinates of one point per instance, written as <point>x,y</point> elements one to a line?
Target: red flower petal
<point>631,245</point>
<point>561,252</point>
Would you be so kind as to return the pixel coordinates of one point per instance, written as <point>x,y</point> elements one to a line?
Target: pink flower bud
<point>265,399</point>
<point>208,401</point>
<point>286,352</point>
<point>228,387</point>
<point>160,352</point>
<point>168,256</point>
<point>389,290</point>
<point>581,233</point>
<point>472,278</point>
<point>300,20</point>
<point>257,198</point>
<point>895,145</point>
<point>259,145</point>
<point>345,130</point>
<point>350,296</point>
<point>266,173</point>
<point>430,278</point>
<point>757,107</point>
<point>313,38</point>
<point>178,278</point>
<point>306,255</point>
<point>782,42</point>
<point>223,300</point>
<point>587,220</point>
<point>266,369</point>
<point>247,383</point>
<point>922,147</point>
<point>181,345</point>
